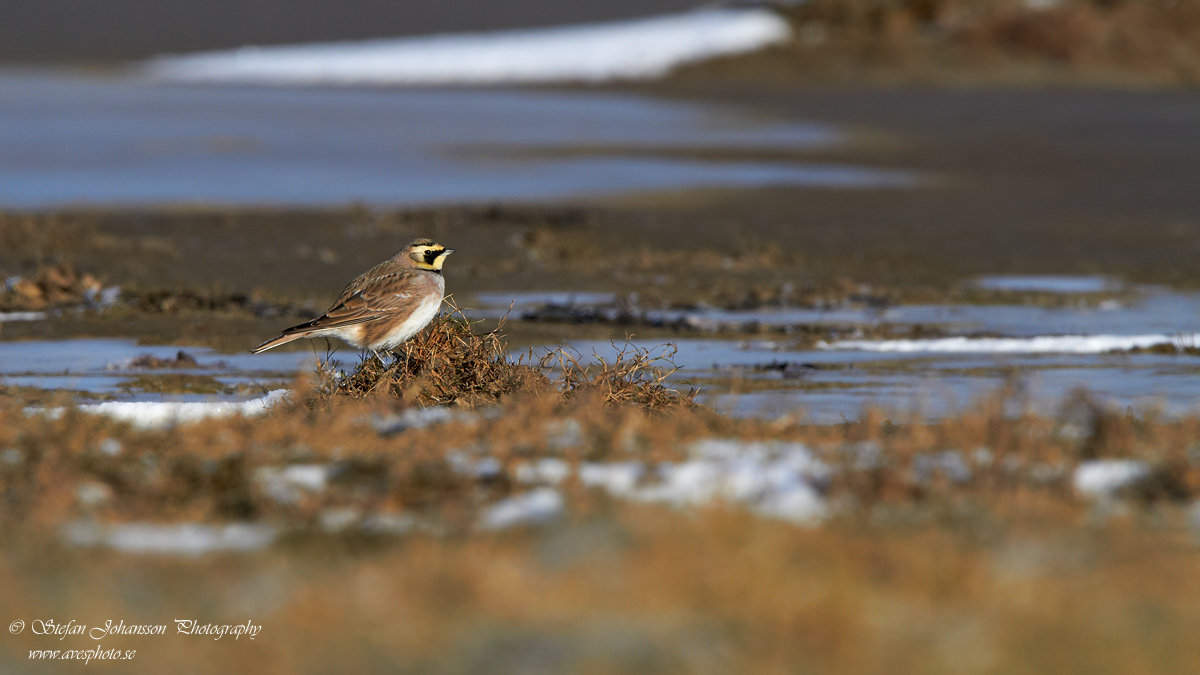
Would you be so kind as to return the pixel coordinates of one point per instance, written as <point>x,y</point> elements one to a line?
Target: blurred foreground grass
<point>645,590</point>
<point>968,545</point>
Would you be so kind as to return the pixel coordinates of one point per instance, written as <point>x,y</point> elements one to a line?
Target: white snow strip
<point>182,539</point>
<point>21,316</point>
<point>549,470</point>
<point>780,480</point>
<point>486,467</point>
<point>1047,344</point>
<point>289,484</point>
<point>1049,283</point>
<point>636,49</point>
<point>161,415</point>
<point>531,508</point>
<point>618,478</point>
<point>1107,477</point>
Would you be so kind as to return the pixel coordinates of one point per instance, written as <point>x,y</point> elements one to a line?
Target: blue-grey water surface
<point>73,140</point>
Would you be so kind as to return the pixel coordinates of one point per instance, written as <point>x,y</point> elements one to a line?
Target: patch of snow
<point>486,467</point>
<point>93,493</point>
<point>982,456</point>
<point>1042,344</point>
<point>1108,477</point>
<point>618,478</point>
<point>531,508</point>
<point>800,504</point>
<point>288,484</point>
<point>776,479</point>
<point>111,447</point>
<point>1050,283</point>
<point>636,49</point>
<point>339,519</point>
<point>21,316</point>
<point>689,483</point>
<point>162,415</point>
<point>190,539</point>
<point>549,470</point>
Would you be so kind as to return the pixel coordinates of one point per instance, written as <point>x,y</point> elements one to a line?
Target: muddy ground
<point>1057,182</point>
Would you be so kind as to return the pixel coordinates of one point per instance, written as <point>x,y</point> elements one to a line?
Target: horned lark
<point>385,306</point>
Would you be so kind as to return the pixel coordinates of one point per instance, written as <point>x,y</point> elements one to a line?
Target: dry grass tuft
<point>451,364</point>
<point>50,286</point>
<point>634,377</point>
<point>447,364</point>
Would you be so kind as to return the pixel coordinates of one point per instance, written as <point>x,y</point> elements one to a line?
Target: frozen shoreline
<point>1041,344</point>
<point>620,50</point>
<point>165,414</point>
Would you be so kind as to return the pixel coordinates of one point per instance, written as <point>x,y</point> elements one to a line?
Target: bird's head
<point>426,254</point>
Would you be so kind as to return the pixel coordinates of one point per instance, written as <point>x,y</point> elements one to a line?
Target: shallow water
<point>1037,352</point>
<point>826,383</point>
<point>74,140</point>
<point>1146,310</point>
<point>832,386</point>
<point>100,366</point>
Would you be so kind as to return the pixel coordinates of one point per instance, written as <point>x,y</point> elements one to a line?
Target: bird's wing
<point>366,300</point>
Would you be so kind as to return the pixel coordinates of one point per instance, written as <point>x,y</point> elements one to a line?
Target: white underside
<point>420,318</point>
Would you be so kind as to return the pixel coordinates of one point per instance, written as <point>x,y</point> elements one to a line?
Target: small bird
<point>383,307</point>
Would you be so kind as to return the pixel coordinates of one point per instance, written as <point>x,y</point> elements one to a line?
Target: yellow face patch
<point>430,257</point>
<point>441,258</point>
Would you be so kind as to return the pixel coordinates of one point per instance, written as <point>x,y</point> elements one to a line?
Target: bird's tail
<point>275,342</point>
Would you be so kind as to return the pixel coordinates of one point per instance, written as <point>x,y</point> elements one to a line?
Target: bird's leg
<point>395,358</point>
<point>386,358</point>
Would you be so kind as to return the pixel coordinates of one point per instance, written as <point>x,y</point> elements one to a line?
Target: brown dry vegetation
<point>639,590</point>
<point>1147,42</point>
<point>49,286</point>
<point>452,364</point>
<point>446,364</point>
<point>207,471</point>
<point>915,572</point>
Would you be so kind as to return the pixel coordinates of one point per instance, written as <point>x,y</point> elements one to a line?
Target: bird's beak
<point>448,251</point>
